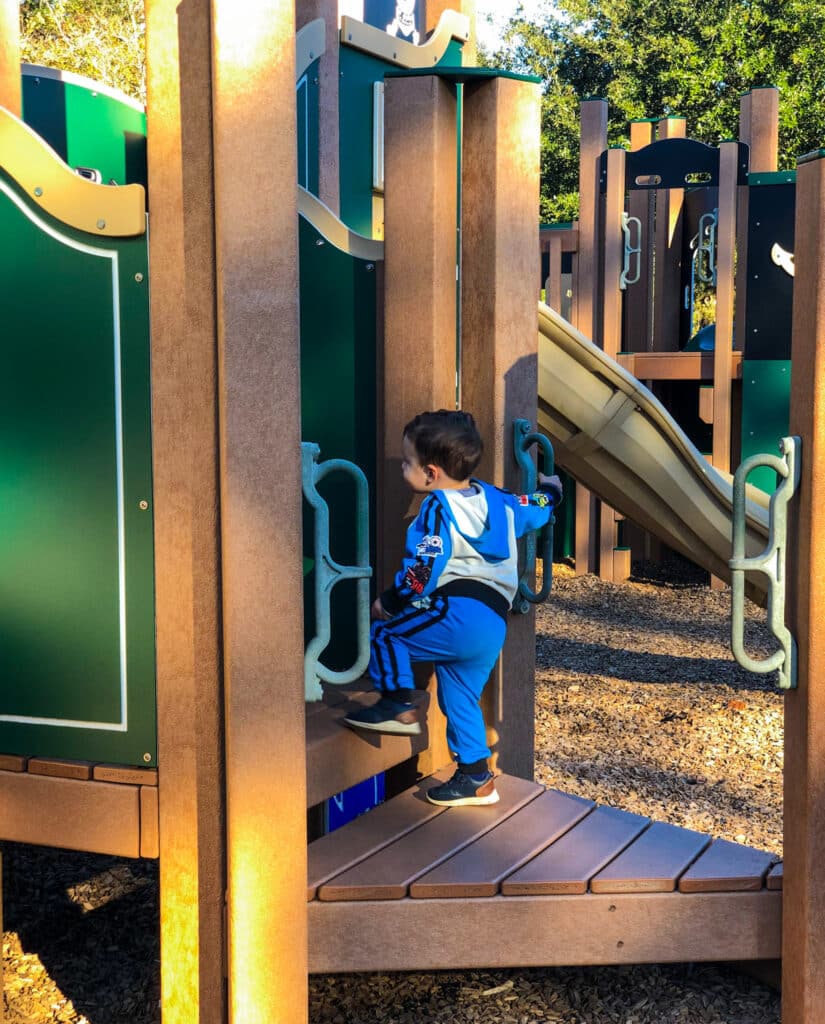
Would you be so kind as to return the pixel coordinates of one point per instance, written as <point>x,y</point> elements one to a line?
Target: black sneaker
<point>387,715</point>
<point>463,789</point>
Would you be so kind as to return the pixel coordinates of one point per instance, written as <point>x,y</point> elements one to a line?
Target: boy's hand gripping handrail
<point>523,437</point>
<point>771,562</point>
<point>328,573</point>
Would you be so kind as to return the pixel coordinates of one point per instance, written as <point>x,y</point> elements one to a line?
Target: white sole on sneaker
<point>395,728</point>
<point>467,801</point>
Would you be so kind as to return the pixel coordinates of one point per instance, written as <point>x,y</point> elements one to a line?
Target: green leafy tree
<point>692,58</point>
<point>102,39</point>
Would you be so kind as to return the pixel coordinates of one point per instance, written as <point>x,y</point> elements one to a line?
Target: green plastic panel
<point>338,403</point>
<point>76,551</point>
<point>86,125</point>
<point>766,400</point>
<point>358,73</point>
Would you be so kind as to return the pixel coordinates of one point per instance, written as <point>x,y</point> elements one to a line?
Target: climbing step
<point>370,833</point>
<point>388,874</point>
<point>479,868</point>
<point>654,862</point>
<point>567,866</point>
<point>727,867</point>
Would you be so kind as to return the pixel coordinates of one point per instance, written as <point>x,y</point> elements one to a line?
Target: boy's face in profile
<point>415,475</point>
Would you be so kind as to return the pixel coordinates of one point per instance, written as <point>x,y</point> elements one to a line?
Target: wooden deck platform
<point>541,878</point>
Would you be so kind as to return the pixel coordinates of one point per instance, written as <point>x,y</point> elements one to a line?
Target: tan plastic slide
<point>612,435</point>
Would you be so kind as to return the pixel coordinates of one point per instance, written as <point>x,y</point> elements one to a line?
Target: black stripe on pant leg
<point>432,622</point>
<point>382,648</point>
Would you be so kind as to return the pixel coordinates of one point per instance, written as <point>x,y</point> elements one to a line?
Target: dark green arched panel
<point>76,555</point>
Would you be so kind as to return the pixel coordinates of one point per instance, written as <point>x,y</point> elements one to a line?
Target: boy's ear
<point>431,472</point>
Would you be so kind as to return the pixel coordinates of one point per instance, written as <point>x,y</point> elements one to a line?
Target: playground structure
<point>240,755</point>
<point>651,259</point>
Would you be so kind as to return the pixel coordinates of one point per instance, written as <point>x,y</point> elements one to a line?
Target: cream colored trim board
<point>335,231</point>
<point>310,44</point>
<point>111,211</point>
<point>451,25</point>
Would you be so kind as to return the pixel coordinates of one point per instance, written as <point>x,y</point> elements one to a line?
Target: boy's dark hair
<point>447,439</point>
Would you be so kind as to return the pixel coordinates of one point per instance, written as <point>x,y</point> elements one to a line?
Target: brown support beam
<point>611,319</point>
<point>638,299</point>
<point>253,87</point>
<point>803,933</point>
<point>667,297</point>
<point>758,129</point>
<point>419,305</point>
<point>593,114</point>
<point>10,88</point>
<point>328,90</point>
<point>187,571</point>
<point>725,272</point>
<point>500,202</point>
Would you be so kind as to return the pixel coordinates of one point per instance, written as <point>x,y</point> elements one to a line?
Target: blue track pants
<point>463,638</point>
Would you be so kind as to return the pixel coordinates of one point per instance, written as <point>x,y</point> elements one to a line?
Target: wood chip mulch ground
<point>638,705</point>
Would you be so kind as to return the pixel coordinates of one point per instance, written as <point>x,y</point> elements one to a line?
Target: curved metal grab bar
<point>523,437</point>
<point>328,572</point>
<point>771,562</point>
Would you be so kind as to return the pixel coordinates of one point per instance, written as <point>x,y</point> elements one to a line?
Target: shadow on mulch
<point>647,668</point>
<point>100,945</point>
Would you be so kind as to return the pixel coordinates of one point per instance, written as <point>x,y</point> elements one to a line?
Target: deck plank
<point>479,868</point>
<point>654,862</point>
<point>338,851</point>
<point>388,874</point>
<point>774,880</point>
<point>727,867</point>
<point>567,866</point>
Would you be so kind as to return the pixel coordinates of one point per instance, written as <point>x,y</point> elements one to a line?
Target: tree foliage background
<point>102,39</point>
<point>648,58</point>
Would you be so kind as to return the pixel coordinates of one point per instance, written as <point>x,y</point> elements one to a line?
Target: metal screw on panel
<point>139,277</point>
<point>143,505</point>
<point>319,241</point>
<point>38,191</point>
<point>101,224</point>
<point>370,266</point>
<point>147,758</point>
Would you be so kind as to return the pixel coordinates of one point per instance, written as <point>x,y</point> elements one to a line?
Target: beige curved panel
<point>310,44</point>
<point>335,231</point>
<point>113,211</point>
<point>451,25</point>
<point>614,436</point>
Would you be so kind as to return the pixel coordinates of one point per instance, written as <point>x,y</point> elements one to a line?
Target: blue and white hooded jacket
<point>465,545</point>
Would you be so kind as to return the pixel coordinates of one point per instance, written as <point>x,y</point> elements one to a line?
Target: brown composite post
<point>611,318</point>
<point>638,305</point>
<point>186,521</point>
<point>667,295</point>
<point>256,245</point>
<point>499,360</point>
<point>10,88</point>
<point>759,130</point>
<point>725,275</point>
<point>593,133</point>
<point>329,191</point>
<point>419,303</point>
<point>803,909</point>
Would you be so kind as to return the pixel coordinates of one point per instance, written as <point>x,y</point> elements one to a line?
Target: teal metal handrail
<point>523,437</point>
<point>328,572</point>
<point>771,562</point>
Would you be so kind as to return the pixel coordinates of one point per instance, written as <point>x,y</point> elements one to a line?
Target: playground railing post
<point>419,359</point>
<point>593,114</point>
<point>803,912</point>
<point>499,357</point>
